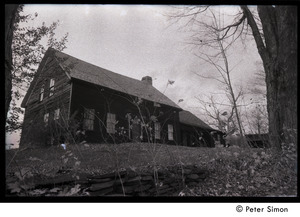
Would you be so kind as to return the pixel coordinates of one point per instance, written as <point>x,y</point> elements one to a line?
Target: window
<point>156,104</point>
<point>110,123</point>
<point>46,118</point>
<point>56,114</point>
<point>51,88</point>
<point>88,121</point>
<point>170,132</point>
<point>157,130</point>
<point>42,94</point>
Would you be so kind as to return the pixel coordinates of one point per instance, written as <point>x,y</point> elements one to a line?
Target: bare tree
<point>214,51</point>
<point>259,120</point>
<point>217,115</point>
<point>275,33</point>
<point>255,111</point>
<point>257,85</point>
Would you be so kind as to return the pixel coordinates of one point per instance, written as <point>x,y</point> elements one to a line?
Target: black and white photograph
<point>120,101</point>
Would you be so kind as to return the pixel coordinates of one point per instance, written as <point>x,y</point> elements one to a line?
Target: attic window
<point>88,121</point>
<point>51,88</point>
<point>41,97</point>
<point>170,132</point>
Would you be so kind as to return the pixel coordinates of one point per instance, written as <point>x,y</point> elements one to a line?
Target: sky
<point>139,40</point>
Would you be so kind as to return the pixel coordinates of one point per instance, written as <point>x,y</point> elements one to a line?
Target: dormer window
<point>42,93</point>
<point>51,88</point>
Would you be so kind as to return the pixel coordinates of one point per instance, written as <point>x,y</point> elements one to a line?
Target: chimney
<point>147,80</point>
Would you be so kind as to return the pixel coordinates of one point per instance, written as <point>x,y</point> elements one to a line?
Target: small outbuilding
<point>258,140</point>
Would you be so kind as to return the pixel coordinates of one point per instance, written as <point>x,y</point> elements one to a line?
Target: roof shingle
<point>82,70</point>
<point>186,117</point>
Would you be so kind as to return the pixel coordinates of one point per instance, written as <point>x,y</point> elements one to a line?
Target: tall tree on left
<point>10,14</point>
<point>27,47</point>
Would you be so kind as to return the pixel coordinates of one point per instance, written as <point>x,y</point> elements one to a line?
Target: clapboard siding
<point>34,128</point>
<point>35,109</point>
<point>61,84</point>
<point>104,100</point>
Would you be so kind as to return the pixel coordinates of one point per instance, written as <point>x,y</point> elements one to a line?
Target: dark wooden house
<point>68,95</point>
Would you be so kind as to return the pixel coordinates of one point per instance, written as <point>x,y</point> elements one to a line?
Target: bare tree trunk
<point>279,55</point>
<point>287,18</point>
<point>277,47</point>
<point>234,99</point>
<point>10,12</point>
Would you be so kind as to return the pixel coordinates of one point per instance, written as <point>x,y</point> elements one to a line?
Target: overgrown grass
<point>233,171</point>
<point>98,158</point>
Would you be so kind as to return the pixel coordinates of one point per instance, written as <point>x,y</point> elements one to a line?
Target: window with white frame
<point>51,88</point>
<point>170,132</point>
<point>88,119</point>
<point>46,118</point>
<point>110,123</point>
<point>41,97</point>
<point>56,114</point>
<point>157,130</point>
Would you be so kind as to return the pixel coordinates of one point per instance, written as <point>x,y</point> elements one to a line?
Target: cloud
<point>87,10</point>
<point>123,13</point>
<point>137,40</point>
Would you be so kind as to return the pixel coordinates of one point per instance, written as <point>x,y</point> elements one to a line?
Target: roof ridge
<point>92,73</point>
<point>63,53</point>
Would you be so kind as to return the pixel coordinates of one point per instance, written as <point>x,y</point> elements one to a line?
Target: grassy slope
<point>233,171</point>
<point>99,157</point>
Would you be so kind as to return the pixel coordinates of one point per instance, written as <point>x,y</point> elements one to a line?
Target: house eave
<point>111,89</point>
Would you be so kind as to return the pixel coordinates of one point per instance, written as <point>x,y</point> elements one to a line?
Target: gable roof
<point>36,77</point>
<point>186,117</point>
<point>79,69</point>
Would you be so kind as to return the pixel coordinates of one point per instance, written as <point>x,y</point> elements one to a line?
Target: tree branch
<point>256,34</point>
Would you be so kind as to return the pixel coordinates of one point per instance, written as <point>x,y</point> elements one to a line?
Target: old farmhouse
<point>68,95</point>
